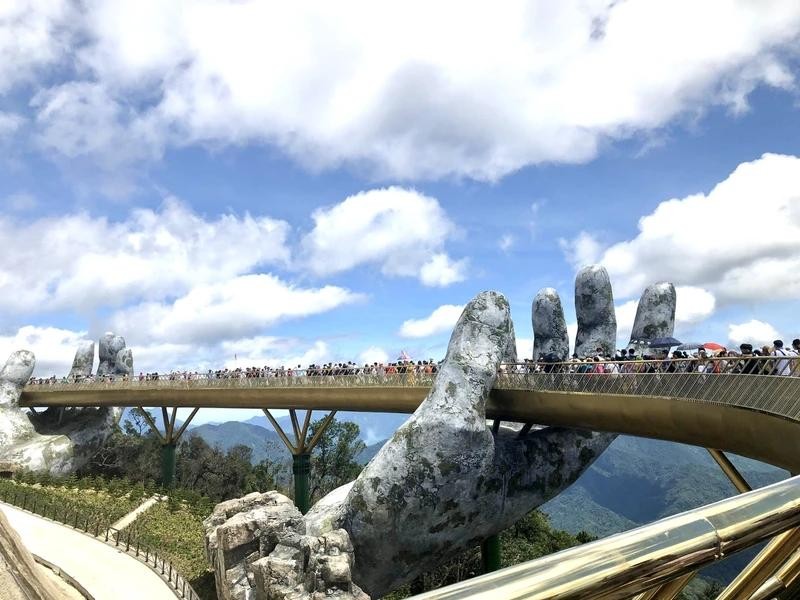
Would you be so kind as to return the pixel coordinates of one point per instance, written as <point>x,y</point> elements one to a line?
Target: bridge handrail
<point>645,557</point>
<point>408,375</point>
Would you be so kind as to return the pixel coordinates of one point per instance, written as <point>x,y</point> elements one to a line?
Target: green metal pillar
<point>490,553</point>
<point>168,464</point>
<point>301,467</point>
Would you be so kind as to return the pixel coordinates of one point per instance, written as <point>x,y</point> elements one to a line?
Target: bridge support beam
<point>301,469</point>
<point>490,554</point>
<point>168,464</point>
<point>169,440</point>
<point>301,452</point>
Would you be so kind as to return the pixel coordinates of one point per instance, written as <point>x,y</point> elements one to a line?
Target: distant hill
<point>157,417</point>
<point>367,453</point>
<point>265,443</point>
<point>373,426</point>
<point>639,480</point>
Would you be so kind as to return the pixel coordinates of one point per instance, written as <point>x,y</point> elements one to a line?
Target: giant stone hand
<point>445,481</point>
<point>57,441</point>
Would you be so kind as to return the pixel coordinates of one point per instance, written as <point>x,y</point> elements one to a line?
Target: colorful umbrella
<point>713,346</point>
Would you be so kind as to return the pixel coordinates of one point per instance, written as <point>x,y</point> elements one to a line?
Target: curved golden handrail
<point>628,563</point>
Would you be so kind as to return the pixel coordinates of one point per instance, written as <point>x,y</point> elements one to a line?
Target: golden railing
<point>626,564</point>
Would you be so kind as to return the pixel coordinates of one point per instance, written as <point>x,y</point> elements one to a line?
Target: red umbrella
<point>713,346</point>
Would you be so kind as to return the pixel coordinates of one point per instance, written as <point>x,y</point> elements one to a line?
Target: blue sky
<point>215,179</point>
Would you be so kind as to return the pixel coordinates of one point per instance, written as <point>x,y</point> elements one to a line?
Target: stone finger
<point>594,308</point>
<point>549,326</point>
<point>83,362</point>
<point>14,375</point>
<point>655,314</point>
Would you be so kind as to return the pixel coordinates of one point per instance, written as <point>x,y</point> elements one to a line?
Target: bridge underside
<point>749,432</point>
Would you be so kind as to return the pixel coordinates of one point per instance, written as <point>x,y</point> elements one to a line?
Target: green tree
<point>713,589</point>
<point>333,461</point>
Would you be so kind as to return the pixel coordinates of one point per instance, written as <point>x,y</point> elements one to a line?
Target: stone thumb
<point>477,346</point>
<point>14,375</point>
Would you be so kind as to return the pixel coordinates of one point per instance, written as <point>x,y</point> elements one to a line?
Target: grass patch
<point>175,530</point>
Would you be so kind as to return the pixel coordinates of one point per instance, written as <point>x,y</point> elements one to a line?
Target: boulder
<point>258,549</point>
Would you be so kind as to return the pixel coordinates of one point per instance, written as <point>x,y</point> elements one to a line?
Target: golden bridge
<point>753,415</point>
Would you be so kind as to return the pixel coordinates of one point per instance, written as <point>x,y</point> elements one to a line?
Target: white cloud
<point>441,271</point>
<point>273,352</point>
<point>524,348</point>
<point>693,305</point>
<point>399,229</point>
<point>76,261</point>
<point>380,86</point>
<point>373,354</point>
<point>626,315</point>
<point>506,242</point>
<point>583,250</point>
<point>20,202</point>
<point>227,309</point>
<point>82,118</point>
<point>753,332</point>
<point>33,34</point>
<point>740,242</point>
<point>9,123</point>
<point>53,347</point>
<point>440,320</point>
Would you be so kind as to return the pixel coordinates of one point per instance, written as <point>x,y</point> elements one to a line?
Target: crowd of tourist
<point>766,360</point>
<point>775,359</point>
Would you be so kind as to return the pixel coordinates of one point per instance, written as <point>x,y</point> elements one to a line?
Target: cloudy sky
<point>246,183</point>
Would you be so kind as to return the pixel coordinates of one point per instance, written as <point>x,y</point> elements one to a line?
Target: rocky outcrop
<point>655,314</point>
<point>258,549</point>
<point>20,577</point>
<point>84,361</point>
<point>550,335</point>
<point>56,440</point>
<point>594,308</point>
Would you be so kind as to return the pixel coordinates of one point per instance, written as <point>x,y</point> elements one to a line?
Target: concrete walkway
<point>105,572</point>
<point>136,512</point>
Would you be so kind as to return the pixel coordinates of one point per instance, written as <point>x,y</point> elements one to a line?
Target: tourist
<point>784,365</point>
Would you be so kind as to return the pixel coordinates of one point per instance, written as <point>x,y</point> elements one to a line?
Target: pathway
<point>105,572</point>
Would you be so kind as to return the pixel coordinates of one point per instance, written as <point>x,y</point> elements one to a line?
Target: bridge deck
<point>753,415</point>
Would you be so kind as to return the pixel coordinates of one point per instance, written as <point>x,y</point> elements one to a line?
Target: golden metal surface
<point>786,576</point>
<point>632,562</point>
<point>730,470</point>
<point>762,566</point>
<point>669,590</point>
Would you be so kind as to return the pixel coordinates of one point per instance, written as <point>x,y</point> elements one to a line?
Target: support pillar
<point>490,553</point>
<point>301,468</point>
<point>168,464</point>
<point>301,452</point>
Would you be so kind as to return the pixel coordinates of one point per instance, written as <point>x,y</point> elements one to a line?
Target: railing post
<point>301,467</point>
<point>490,553</point>
<point>168,464</point>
